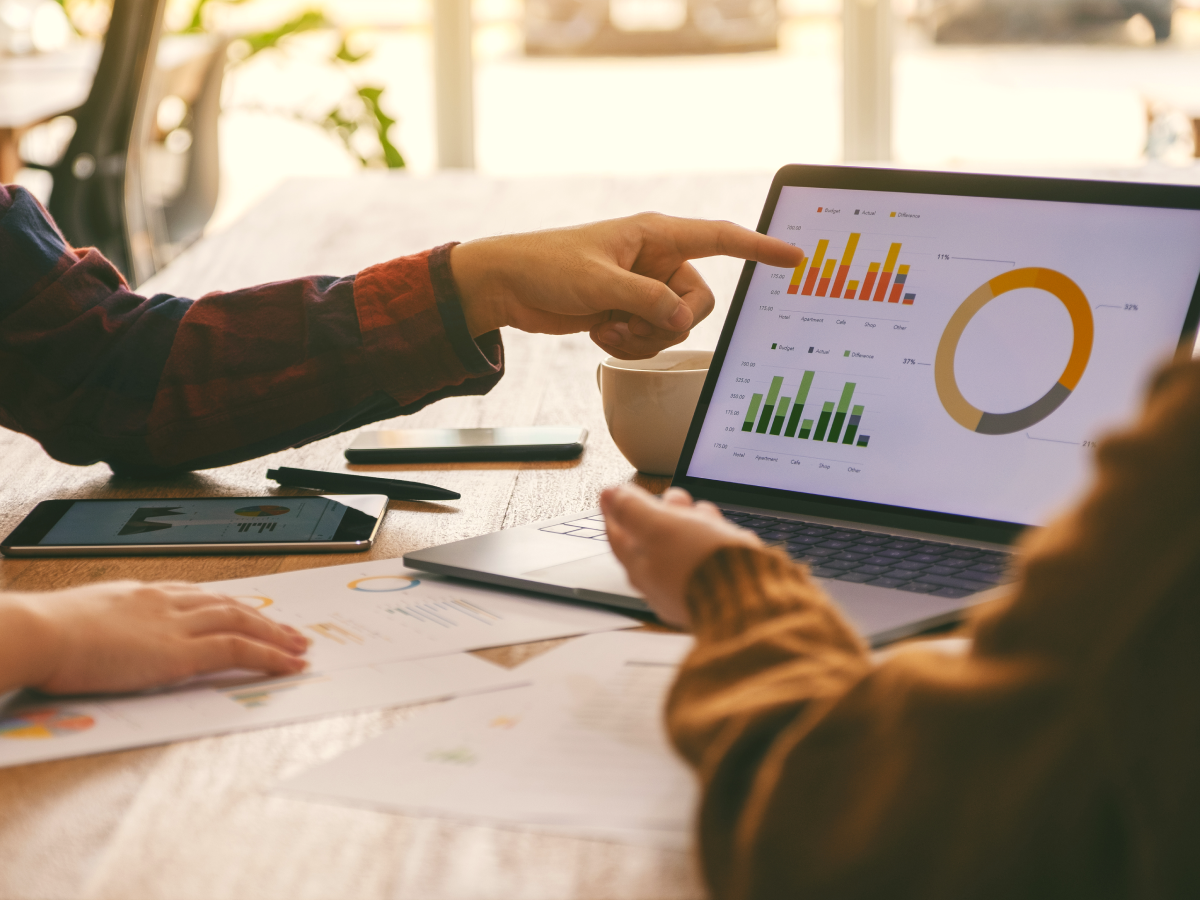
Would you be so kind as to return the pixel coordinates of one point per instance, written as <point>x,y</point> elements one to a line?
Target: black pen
<point>346,483</point>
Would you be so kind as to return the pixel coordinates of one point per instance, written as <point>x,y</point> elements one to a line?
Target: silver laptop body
<point>877,416</point>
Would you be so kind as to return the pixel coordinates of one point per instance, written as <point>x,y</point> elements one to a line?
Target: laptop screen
<point>951,354</point>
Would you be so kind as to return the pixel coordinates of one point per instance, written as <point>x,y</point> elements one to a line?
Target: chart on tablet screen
<point>958,354</point>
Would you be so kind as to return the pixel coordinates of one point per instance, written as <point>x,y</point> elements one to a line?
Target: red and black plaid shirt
<point>97,373</point>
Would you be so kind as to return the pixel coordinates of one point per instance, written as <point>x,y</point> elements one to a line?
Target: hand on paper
<point>127,636</point>
<point>661,543</point>
<point>626,281</point>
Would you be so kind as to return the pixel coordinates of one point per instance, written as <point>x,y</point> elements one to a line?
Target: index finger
<point>697,238</point>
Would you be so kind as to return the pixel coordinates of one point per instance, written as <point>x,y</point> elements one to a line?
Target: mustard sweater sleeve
<point>1057,759</point>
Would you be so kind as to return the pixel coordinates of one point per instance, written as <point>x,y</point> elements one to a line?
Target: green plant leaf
<point>382,122</point>
<point>345,55</point>
<point>265,40</point>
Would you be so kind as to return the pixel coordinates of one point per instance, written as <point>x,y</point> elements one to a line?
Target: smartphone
<point>189,525</point>
<point>466,444</point>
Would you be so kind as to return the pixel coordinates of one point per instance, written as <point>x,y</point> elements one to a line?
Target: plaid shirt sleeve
<point>98,373</point>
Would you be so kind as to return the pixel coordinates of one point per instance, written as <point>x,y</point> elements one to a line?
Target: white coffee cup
<point>648,404</point>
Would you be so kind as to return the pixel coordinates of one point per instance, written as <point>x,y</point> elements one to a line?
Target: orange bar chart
<point>823,275</point>
<point>872,274</point>
<point>796,276</point>
<point>826,274</point>
<point>898,286</point>
<point>815,268</point>
<point>889,267</point>
<point>844,268</point>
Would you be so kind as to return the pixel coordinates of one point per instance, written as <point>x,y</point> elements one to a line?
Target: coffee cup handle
<point>599,366</point>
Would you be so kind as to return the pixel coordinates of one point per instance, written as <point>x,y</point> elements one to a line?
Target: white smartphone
<point>194,525</point>
<point>423,445</point>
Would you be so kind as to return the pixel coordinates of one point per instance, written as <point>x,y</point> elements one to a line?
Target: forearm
<point>26,643</point>
<point>760,622</point>
<point>824,774</point>
<point>770,652</point>
<point>277,366</point>
<point>97,373</point>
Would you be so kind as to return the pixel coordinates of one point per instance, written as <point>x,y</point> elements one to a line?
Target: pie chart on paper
<point>41,724</point>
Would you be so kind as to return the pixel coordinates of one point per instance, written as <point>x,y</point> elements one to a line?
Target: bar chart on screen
<point>785,415</point>
<point>875,260</point>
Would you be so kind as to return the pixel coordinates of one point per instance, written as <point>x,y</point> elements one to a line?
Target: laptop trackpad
<point>594,573</point>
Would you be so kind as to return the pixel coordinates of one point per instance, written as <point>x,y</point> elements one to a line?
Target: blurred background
<point>250,92</point>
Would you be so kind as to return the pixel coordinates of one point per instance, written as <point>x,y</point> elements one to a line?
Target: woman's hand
<point>661,543</point>
<point>126,636</point>
<point>627,281</point>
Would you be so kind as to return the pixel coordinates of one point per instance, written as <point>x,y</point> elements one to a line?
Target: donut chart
<point>42,724</point>
<point>383,584</point>
<point>1050,281</point>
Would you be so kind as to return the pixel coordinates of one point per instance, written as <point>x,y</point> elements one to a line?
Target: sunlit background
<point>310,87</point>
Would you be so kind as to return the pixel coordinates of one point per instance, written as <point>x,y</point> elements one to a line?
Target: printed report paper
<point>380,611</point>
<point>39,729</point>
<point>382,636</point>
<point>583,751</point>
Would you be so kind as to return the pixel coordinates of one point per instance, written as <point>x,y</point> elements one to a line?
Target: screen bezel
<point>356,527</point>
<point>1111,193</point>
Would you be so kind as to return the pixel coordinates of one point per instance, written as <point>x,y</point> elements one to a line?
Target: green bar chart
<point>837,422</point>
<point>764,420</point>
<point>801,399</point>
<point>852,427</point>
<point>777,424</point>
<point>755,402</point>
<point>823,421</point>
<point>843,407</point>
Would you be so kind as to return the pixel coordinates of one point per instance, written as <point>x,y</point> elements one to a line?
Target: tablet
<point>190,525</point>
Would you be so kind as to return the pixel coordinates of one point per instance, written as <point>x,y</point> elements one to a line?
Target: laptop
<point>929,384</point>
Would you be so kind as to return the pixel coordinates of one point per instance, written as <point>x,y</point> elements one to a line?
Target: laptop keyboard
<point>862,557</point>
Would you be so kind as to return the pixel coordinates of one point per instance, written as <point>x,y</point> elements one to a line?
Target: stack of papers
<point>582,750</point>
<point>382,636</point>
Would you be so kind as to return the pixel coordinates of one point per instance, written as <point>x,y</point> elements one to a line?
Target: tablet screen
<point>234,520</point>
<point>946,353</point>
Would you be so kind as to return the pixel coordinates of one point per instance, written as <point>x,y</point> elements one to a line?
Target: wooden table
<point>195,819</point>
